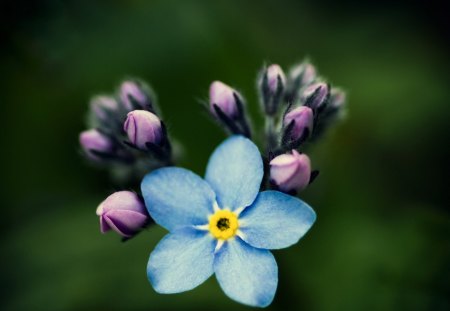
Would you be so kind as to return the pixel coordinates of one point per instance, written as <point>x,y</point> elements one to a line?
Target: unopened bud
<point>303,121</point>
<point>304,73</point>
<point>124,212</point>
<point>92,142</point>
<point>143,127</point>
<point>274,72</point>
<point>337,98</point>
<point>222,95</point>
<point>133,96</point>
<point>101,106</point>
<point>315,95</point>
<point>290,171</point>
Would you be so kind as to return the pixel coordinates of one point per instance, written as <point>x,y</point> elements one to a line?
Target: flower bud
<point>337,98</point>
<point>102,105</point>
<point>222,95</point>
<point>305,72</point>
<point>273,72</point>
<point>315,95</point>
<point>124,212</point>
<point>133,96</point>
<point>303,120</point>
<point>143,127</point>
<point>290,171</point>
<point>92,140</point>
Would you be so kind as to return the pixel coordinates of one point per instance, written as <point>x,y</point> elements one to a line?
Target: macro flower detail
<point>222,96</point>
<point>143,127</point>
<point>124,212</point>
<point>316,95</point>
<point>275,75</point>
<point>302,118</point>
<point>93,142</point>
<point>228,222</point>
<point>290,171</point>
<point>272,83</point>
<point>133,96</point>
<point>101,106</point>
<point>222,225</point>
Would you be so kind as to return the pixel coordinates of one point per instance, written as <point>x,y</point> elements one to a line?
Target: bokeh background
<point>381,241</point>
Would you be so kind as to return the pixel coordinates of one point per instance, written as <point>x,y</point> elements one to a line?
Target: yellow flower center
<point>223,224</point>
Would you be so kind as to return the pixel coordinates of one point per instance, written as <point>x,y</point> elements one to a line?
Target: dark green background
<point>381,241</point>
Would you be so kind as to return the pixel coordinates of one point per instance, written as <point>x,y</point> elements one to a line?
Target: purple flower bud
<point>124,212</point>
<point>221,95</point>
<point>306,71</point>
<point>273,71</point>
<point>290,171</point>
<point>143,127</point>
<point>131,90</point>
<point>303,117</point>
<point>337,98</point>
<point>100,105</point>
<point>319,98</point>
<point>93,140</point>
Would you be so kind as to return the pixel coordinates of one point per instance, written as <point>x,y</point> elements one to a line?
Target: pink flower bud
<point>306,71</point>
<point>93,140</point>
<point>143,127</point>
<point>320,97</point>
<point>290,171</point>
<point>101,105</point>
<point>273,71</point>
<point>337,98</point>
<point>131,90</point>
<point>221,95</point>
<point>303,118</point>
<point>124,212</point>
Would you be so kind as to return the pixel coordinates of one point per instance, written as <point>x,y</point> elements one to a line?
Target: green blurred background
<point>381,241</point>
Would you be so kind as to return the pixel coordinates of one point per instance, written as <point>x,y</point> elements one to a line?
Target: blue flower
<point>222,225</point>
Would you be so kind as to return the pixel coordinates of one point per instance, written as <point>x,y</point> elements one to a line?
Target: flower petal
<point>125,222</point>
<point>275,220</point>
<point>104,227</point>
<point>246,274</point>
<point>235,171</point>
<point>181,261</point>
<point>176,197</point>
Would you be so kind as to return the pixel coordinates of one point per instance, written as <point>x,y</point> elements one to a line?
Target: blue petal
<point>275,220</point>
<point>181,261</point>
<point>176,197</point>
<point>235,171</point>
<point>246,274</point>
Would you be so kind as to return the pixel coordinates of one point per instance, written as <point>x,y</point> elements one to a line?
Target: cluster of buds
<point>126,130</point>
<point>127,136</point>
<point>297,108</point>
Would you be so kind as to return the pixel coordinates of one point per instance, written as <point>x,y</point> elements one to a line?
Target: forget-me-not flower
<point>222,224</point>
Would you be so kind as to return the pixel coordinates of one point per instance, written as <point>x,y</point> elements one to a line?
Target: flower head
<point>133,96</point>
<point>290,171</point>
<point>92,142</point>
<point>304,72</point>
<point>337,98</point>
<point>101,106</point>
<point>222,224</point>
<point>222,96</point>
<point>303,121</point>
<point>124,212</point>
<point>316,95</point>
<point>143,127</point>
<point>272,84</point>
<point>274,72</point>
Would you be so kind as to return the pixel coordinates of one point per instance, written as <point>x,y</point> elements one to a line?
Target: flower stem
<point>271,137</point>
